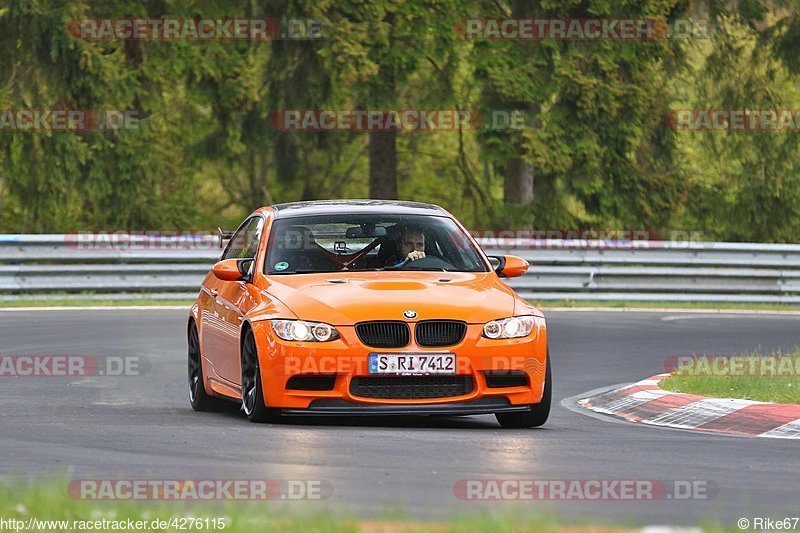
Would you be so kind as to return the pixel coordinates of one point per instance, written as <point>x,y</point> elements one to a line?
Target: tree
<point>595,144</point>
<point>374,48</point>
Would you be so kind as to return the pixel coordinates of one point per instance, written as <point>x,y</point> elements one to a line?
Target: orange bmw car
<point>364,307</point>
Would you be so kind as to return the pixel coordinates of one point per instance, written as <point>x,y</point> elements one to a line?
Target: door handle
<point>213,292</point>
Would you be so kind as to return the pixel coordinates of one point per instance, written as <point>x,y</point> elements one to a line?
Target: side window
<point>244,243</point>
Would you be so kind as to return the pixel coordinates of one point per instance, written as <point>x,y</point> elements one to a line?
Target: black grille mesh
<point>496,379</point>
<point>431,333</point>
<point>311,382</point>
<point>384,334</point>
<point>411,387</point>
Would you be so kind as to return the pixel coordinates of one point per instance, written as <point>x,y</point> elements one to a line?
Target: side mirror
<point>232,269</point>
<point>509,266</point>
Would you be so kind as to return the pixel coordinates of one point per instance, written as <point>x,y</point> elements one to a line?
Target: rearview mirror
<point>365,231</point>
<point>223,237</point>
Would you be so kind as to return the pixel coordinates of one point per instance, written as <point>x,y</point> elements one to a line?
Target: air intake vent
<point>497,379</point>
<point>311,382</point>
<point>411,387</point>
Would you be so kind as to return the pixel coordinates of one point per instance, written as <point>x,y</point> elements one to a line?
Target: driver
<point>411,245</point>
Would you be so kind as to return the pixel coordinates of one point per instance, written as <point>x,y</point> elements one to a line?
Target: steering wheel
<point>425,263</point>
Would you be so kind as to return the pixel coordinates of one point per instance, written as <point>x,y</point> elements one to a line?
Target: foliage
<point>206,152</point>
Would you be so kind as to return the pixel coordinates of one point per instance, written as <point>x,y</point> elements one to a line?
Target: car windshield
<point>347,243</point>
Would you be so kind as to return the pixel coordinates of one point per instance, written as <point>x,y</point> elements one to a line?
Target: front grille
<point>431,333</point>
<point>411,387</point>
<point>384,334</point>
<point>311,382</point>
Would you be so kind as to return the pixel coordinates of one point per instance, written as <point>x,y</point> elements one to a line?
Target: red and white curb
<point>646,403</point>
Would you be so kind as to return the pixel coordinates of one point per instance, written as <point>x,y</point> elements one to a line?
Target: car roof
<point>333,207</point>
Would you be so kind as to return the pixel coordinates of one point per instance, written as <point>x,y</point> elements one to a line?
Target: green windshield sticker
<point>283,265</point>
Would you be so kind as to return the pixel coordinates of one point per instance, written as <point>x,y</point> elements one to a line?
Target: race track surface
<point>142,426</point>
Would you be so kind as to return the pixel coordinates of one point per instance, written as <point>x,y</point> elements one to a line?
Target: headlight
<point>509,328</point>
<point>300,330</point>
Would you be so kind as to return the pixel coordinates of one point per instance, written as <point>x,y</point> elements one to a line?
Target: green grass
<point>49,500</point>
<point>780,386</point>
<point>665,305</point>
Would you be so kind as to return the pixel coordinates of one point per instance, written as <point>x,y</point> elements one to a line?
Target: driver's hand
<point>413,256</point>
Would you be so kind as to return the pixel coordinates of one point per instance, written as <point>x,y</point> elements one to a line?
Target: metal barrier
<point>173,268</point>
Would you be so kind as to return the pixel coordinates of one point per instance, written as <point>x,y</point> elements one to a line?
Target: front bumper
<point>347,358</point>
<point>344,408</point>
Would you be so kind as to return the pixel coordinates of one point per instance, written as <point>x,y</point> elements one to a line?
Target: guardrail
<point>173,267</point>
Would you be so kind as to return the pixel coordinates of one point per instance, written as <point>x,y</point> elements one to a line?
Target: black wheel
<point>539,412</point>
<point>198,397</point>
<point>252,390</point>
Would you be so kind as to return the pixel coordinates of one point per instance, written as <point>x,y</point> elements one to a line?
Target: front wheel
<point>539,412</point>
<point>252,390</point>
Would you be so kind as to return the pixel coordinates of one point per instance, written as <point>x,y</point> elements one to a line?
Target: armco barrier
<point>173,267</point>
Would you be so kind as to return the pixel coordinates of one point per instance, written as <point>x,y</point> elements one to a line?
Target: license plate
<point>412,363</point>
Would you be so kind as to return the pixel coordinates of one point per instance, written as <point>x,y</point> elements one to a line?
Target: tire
<point>200,400</point>
<point>252,390</point>
<point>539,412</point>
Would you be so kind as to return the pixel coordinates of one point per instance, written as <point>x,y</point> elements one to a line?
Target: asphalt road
<point>140,426</point>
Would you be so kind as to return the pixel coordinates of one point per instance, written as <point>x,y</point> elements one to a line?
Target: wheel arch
<point>246,326</point>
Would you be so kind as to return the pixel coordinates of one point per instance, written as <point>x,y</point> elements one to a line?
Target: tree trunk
<point>518,184</point>
<point>383,165</point>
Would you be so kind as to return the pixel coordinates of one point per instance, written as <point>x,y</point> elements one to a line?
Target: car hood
<point>343,299</point>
